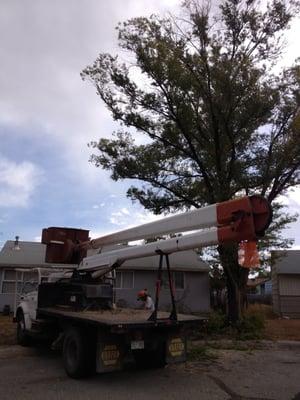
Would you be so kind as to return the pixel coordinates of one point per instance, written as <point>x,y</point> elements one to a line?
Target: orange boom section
<point>241,219</point>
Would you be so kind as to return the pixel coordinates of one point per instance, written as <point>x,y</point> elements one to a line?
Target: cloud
<point>18,182</point>
<point>131,218</point>
<point>294,196</point>
<point>97,206</point>
<point>43,48</point>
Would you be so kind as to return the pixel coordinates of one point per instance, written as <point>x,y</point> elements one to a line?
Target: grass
<point>201,353</point>
<point>264,310</point>
<point>258,322</point>
<point>250,327</point>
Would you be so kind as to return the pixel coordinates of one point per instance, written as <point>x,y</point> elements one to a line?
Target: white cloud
<point>18,182</point>
<point>43,48</point>
<point>97,206</point>
<point>294,195</point>
<point>130,218</point>
<point>116,221</point>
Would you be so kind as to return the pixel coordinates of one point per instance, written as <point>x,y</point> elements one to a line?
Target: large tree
<point>218,118</point>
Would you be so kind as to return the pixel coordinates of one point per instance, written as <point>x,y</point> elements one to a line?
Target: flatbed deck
<point>124,316</point>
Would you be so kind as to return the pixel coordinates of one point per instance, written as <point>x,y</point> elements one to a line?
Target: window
<point>124,280</point>
<point>177,277</point>
<point>9,280</point>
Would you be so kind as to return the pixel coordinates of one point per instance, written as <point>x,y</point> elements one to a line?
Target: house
<point>16,258</point>
<point>286,283</point>
<point>259,290</point>
<point>190,277</point>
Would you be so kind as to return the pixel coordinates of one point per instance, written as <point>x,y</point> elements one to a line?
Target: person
<point>144,296</point>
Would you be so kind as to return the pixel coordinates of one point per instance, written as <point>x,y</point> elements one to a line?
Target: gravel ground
<point>271,373</point>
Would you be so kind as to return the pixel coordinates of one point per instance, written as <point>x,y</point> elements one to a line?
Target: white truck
<point>73,308</point>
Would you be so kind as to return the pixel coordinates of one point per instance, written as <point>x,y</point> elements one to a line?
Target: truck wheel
<point>147,359</point>
<point>23,338</point>
<point>78,354</point>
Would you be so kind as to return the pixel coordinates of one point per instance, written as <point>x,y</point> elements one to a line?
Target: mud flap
<point>176,349</point>
<point>109,354</point>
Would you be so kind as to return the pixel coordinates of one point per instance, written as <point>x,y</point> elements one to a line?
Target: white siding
<point>289,285</point>
<point>275,294</point>
<point>290,306</point>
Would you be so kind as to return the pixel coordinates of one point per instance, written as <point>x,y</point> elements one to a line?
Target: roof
<point>26,254</point>
<point>33,254</point>
<point>287,261</point>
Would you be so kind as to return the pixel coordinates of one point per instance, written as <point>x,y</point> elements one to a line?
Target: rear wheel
<point>23,338</point>
<point>78,353</point>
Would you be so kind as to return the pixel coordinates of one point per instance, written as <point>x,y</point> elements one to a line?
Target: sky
<point>48,115</point>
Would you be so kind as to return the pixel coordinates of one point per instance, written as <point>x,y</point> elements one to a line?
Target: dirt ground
<point>283,329</point>
<point>7,330</point>
<point>277,328</point>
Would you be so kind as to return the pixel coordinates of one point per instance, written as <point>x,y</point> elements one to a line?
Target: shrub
<point>216,323</point>
<point>201,353</point>
<point>250,327</point>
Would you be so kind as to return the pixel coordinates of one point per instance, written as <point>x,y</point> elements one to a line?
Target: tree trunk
<point>236,281</point>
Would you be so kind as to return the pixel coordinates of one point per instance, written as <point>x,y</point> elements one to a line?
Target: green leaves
<point>216,122</point>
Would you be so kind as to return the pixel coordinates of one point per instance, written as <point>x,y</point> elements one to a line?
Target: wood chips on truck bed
<point>114,317</point>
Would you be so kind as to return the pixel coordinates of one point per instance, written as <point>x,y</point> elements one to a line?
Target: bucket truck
<point>74,307</point>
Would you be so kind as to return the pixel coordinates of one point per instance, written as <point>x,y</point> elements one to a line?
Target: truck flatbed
<point>124,317</point>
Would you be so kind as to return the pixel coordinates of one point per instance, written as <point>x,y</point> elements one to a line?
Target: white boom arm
<point>116,257</point>
<point>191,220</point>
<point>231,221</point>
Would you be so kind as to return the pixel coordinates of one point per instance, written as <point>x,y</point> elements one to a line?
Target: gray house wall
<point>286,283</point>
<point>275,290</point>
<point>5,298</point>
<point>193,298</point>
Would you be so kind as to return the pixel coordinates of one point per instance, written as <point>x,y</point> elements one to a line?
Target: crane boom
<point>232,221</point>
<point>112,259</point>
<point>236,220</point>
<point>219,214</point>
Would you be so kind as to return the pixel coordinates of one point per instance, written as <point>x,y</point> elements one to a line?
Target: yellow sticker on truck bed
<point>110,355</point>
<point>176,347</point>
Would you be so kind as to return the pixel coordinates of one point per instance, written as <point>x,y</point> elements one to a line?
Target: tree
<point>217,120</point>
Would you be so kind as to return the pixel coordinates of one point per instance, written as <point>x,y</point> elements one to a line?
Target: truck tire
<point>147,359</point>
<point>79,355</point>
<point>23,338</point>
